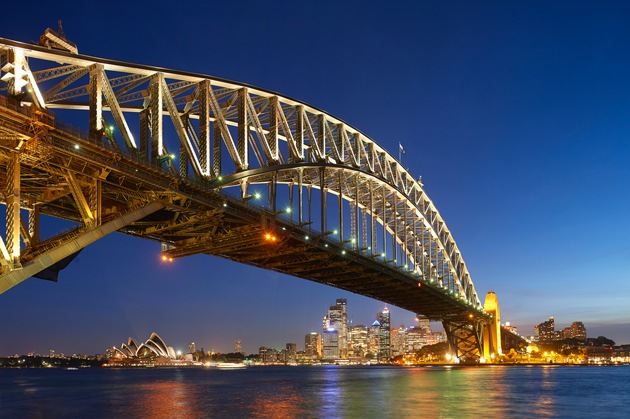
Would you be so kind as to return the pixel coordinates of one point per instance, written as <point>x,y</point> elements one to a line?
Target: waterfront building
<point>192,348</point>
<point>416,338</point>
<point>330,344</point>
<point>374,333</point>
<point>358,341</point>
<point>337,318</point>
<point>154,350</point>
<point>384,349</point>
<point>424,324</point>
<point>578,331</point>
<point>270,355</point>
<point>313,345</point>
<point>546,330</point>
<point>237,346</point>
<point>398,338</point>
<point>291,349</point>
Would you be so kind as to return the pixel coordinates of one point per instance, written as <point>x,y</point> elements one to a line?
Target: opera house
<point>152,352</point>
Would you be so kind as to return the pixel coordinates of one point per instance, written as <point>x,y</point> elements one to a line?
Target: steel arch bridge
<point>210,166</point>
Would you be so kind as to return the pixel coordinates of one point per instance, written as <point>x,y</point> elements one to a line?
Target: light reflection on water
<point>318,392</point>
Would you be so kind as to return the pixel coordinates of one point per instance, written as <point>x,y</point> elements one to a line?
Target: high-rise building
<point>357,341</point>
<point>416,338</point>
<point>237,346</point>
<point>398,339</point>
<point>578,331</point>
<point>546,330</point>
<point>374,333</point>
<point>313,345</point>
<point>191,348</point>
<point>423,324</point>
<point>384,347</point>
<point>330,344</point>
<point>337,318</point>
<point>291,352</point>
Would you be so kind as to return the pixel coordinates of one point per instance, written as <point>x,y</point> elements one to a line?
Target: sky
<point>514,113</point>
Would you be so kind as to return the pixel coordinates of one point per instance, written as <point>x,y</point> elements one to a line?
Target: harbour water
<point>318,392</point>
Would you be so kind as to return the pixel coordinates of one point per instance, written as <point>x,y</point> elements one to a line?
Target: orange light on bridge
<point>166,258</point>
<point>270,237</point>
<point>470,316</point>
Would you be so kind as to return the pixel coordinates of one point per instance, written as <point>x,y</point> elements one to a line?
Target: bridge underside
<point>69,177</point>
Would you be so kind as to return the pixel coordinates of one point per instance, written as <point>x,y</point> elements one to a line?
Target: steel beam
<point>12,278</point>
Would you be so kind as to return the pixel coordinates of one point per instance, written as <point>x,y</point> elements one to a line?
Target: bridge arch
<point>227,139</point>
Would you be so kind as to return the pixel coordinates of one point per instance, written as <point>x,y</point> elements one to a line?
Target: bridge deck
<point>198,216</point>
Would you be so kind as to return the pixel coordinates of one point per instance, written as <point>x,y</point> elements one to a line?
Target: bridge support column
<point>12,193</point>
<point>465,339</point>
<point>72,246</point>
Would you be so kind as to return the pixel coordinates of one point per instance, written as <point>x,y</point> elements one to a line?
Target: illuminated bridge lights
<point>254,196</point>
<point>166,258</point>
<point>270,237</point>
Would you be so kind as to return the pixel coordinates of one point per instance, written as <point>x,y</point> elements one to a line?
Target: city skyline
<point>513,114</point>
<point>422,323</point>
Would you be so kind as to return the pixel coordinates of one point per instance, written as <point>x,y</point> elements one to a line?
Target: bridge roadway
<point>340,210</point>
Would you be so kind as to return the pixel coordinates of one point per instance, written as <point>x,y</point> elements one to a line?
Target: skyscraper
<point>374,333</point>
<point>384,347</point>
<point>546,330</point>
<point>313,345</point>
<point>330,343</point>
<point>337,319</point>
<point>237,346</point>
<point>192,348</point>
<point>357,341</point>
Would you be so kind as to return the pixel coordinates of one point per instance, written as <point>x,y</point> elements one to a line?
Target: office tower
<point>384,348</point>
<point>337,319</point>
<point>546,330</point>
<point>424,324</point>
<point>191,348</point>
<point>398,340</point>
<point>237,346</point>
<point>313,345</point>
<point>374,333</point>
<point>357,341</point>
<point>330,344</point>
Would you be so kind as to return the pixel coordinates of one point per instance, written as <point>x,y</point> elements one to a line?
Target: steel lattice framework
<point>339,209</point>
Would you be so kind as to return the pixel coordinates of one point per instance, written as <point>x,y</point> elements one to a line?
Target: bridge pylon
<point>492,330</point>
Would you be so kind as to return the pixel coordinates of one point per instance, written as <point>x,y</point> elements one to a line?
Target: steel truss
<point>230,136</point>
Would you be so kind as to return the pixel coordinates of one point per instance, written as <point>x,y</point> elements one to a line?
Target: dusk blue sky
<point>515,114</point>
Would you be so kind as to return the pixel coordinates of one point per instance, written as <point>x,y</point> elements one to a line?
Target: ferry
<point>230,365</point>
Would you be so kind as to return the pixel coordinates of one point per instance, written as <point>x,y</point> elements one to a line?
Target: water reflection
<point>281,401</point>
<point>331,391</point>
<point>170,398</point>
<point>318,392</point>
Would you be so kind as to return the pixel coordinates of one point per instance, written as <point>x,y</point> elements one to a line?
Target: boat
<point>230,365</point>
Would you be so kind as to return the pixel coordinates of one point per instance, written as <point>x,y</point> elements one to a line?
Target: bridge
<point>204,165</point>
